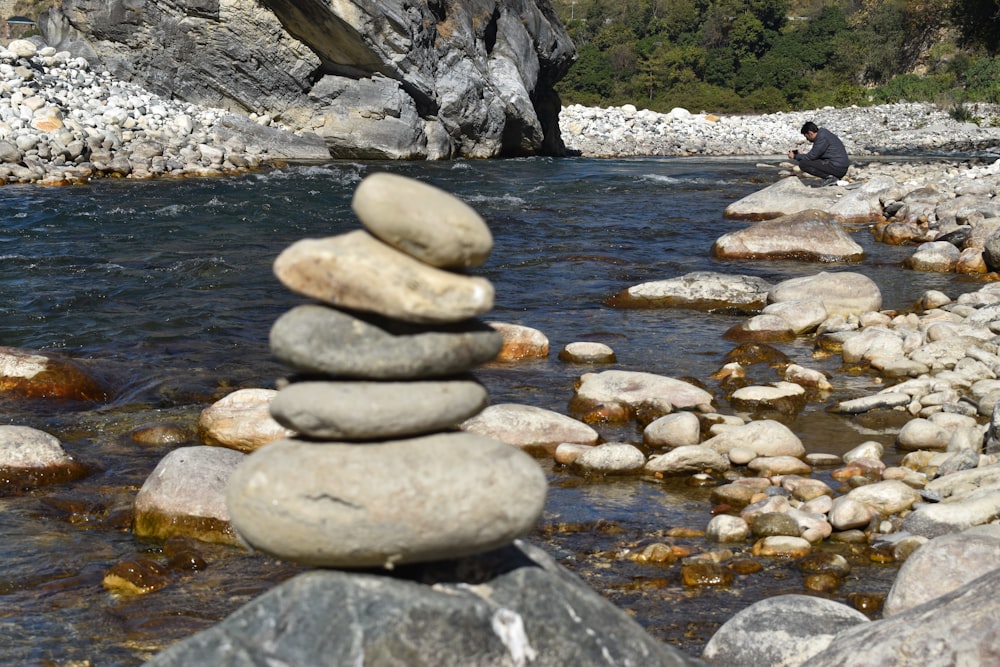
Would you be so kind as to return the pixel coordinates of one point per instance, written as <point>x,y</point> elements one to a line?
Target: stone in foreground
<point>385,503</point>
<point>513,606</point>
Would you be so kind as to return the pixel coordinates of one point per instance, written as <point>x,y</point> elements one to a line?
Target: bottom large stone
<point>386,503</point>
<point>511,607</point>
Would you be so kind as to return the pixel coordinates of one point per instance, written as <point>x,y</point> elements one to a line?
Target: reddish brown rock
<point>520,343</point>
<point>24,374</point>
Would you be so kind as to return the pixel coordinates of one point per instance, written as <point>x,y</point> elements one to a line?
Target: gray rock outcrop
<point>374,80</point>
<point>512,606</point>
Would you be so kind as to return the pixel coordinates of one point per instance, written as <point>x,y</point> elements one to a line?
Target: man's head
<point>809,131</point>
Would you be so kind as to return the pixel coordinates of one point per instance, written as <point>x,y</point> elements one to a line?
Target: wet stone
<point>822,582</point>
<point>774,523</point>
<point>137,576</point>
<point>706,574</point>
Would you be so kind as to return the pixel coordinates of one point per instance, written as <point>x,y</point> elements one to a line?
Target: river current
<point>164,289</point>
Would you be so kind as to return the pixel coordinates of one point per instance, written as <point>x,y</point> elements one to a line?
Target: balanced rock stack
<point>378,475</point>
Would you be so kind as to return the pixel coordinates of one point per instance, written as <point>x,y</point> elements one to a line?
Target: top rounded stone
<point>423,221</point>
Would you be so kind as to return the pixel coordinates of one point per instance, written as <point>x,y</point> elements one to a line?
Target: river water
<point>164,289</point>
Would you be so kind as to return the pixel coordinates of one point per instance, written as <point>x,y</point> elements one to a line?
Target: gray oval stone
<point>319,339</point>
<point>385,503</point>
<point>370,410</point>
<point>423,221</point>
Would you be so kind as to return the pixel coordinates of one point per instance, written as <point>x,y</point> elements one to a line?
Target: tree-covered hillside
<point>772,55</point>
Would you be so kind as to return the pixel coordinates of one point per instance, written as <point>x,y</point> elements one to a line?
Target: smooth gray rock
<point>186,495</point>
<point>381,504</point>
<point>372,410</point>
<point>785,197</point>
<point>942,565</point>
<point>318,339</point>
<point>958,628</point>
<point>780,632</point>
<point>423,221</point>
<point>528,426</point>
<point>511,607</point>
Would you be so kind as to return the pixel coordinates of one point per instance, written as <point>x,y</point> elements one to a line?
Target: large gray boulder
<point>513,606</point>
<point>379,80</point>
<point>958,628</point>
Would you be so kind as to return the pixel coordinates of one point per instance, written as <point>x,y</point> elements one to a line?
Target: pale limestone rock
<point>766,437</point>
<point>673,430</point>
<point>355,270</point>
<point>528,426</point>
<point>686,460</point>
<point>842,293</point>
<point>242,421</point>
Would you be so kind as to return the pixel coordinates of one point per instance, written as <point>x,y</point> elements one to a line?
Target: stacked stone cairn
<point>378,475</point>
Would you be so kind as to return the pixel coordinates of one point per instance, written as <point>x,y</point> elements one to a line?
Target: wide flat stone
<point>385,503</point>
<point>355,270</point>
<point>789,195</point>
<point>371,410</point>
<point>766,437</point>
<point>318,339</point>
<point>622,395</point>
<point>423,221</point>
<point>699,290</point>
<point>812,235</point>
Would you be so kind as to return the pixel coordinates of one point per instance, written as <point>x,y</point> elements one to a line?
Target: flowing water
<point>164,290</point>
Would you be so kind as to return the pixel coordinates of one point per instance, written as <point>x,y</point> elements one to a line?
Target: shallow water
<point>164,289</point>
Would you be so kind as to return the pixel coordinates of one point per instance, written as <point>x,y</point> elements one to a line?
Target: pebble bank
<point>890,128</point>
<point>63,123</point>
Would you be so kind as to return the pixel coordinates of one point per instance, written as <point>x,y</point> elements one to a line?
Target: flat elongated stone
<point>423,221</point>
<point>811,235</point>
<point>530,427</point>
<point>356,270</point>
<point>380,504</point>
<point>319,339</point>
<point>370,410</point>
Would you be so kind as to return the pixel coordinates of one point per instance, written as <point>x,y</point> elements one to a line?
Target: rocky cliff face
<point>410,79</point>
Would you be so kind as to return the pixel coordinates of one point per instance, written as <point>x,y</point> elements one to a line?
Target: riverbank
<point>866,131</point>
<point>63,123</point>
